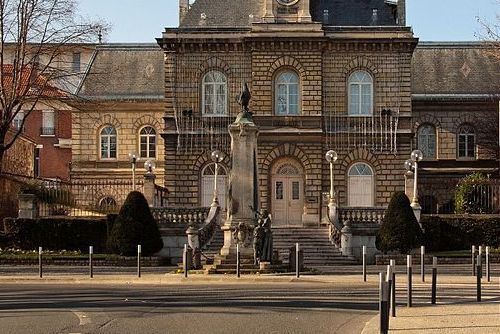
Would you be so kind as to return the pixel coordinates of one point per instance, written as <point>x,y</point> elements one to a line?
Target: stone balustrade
<point>361,215</point>
<point>167,217</point>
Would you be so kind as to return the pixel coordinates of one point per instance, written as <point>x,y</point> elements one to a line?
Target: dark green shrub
<point>57,233</point>
<point>454,232</point>
<point>399,230</point>
<point>468,194</point>
<point>134,226</point>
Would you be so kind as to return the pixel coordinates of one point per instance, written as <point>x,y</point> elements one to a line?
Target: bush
<point>134,226</point>
<point>468,194</point>
<point>57,233</point>
<point>400,230</point>
<point>447,233</point>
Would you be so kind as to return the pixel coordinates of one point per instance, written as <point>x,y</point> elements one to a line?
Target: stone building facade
<point>315,87</point>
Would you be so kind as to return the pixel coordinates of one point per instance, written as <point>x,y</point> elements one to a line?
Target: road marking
<point>83,317</point>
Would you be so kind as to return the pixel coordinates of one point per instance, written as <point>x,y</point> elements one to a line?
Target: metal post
<point>393,289</point>
<point>409,277</point>
<point>91,267</point>
<point>364,263</point>
<point>488,263</point>
<point>297,265</point>
<point>434,280</point>
<point>415,195</point>
<point>480,252</point>
<point>238,260</point>
<point>422,262</point>
<point>40,269</point>
<point>184,261</point>
<point>478,277</point>
<point>473,260</point>
<point>383,305</point>
<point>139,251</point>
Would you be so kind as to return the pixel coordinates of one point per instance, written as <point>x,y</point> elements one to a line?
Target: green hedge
<point>446,233</point>
<point>58,233</point>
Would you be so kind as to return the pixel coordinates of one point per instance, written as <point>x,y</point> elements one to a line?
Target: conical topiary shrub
<point>134,226</point>
<point>400,230</point>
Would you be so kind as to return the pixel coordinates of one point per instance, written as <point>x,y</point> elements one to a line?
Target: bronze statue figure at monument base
<point>263,238</point>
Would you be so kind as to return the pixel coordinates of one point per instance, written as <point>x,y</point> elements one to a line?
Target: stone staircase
<point>315,243</point>
<point>318,250</point>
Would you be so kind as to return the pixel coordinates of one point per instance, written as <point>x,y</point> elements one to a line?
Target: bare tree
<point>35,37</point>
<point>490,35</point>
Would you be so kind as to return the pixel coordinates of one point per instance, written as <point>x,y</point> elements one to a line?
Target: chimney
<point>183,9</point>
<point>402,12</point>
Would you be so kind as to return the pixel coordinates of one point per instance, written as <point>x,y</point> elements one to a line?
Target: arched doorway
<point>207,185</point>
<point>287,197</point>
<point>361,185</point>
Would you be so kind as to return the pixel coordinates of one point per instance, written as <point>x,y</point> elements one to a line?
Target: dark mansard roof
<point>125,71</point>
<point>235,13</point>
<point>441,68</point>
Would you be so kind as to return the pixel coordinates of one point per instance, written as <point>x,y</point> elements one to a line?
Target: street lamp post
<point>331,157</point>
<point>416,157</point>
<point>133,160</point>
<point>216,157</point>
<point>149,165</point>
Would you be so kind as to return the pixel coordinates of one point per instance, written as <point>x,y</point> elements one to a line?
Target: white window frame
<point>18,120</point>
<point>108,138</point>
<point>48,128</point>
<point>282,82</point>
<point>214,80</point>
<point>147,137</point>
<point>468,132</point>
<point>355,85</point>
<point>424,138</point>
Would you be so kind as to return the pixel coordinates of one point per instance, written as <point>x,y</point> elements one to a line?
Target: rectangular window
<point>279,190</point>
<point>48,127</point>
<point>18,120</point>
<point>76,65</point>
<point>295,190</point>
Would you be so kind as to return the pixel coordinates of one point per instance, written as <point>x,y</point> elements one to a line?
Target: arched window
<point>107,204</point>
<point>361,185</point>
<point>147,139</point>
<point>207,185</point>
<point>287,93</point>
<point>426,136</point>
<point>214,94</point>
<point>466,141</point>
<point>360,94</point>
<point>108,142</point>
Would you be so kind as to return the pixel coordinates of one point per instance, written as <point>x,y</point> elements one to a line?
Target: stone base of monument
<point>226,264</point>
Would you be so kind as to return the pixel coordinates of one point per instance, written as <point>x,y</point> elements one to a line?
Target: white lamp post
<point>416,157</point>
<point>149,165</point>
<point>331,157</point>
<point>216,157</point>
<point>133,160</point>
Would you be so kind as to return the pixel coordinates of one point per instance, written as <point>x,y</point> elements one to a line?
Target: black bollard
<point>488,263</point>
<point>185,261</point>
<point>139,251</point>
<point>297,264</point>
<point>40,269</point>
<point>238,260</point>
<point>393,289</point>
<point>409,277</point>
<point>434,280</point>
<point>364,263</point>
<point>383,305</point>
<point>422,262</point>
<point>91,266</point>
<point>479,272</point>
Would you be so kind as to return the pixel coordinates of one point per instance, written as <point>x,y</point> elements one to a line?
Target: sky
<point>432,20</point>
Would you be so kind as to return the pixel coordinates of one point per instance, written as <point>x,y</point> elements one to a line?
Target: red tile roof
<point>30,83</point>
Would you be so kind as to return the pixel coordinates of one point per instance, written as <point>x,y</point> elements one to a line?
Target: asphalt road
<point>223,308</point>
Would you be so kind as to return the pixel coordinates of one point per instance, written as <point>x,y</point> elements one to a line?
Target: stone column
<point>409,185</point>
<point>304,13</point>
<point>149,188</point>
<point>28,206</point>
<point>243,190</point>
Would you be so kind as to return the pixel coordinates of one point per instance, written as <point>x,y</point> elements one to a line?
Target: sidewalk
<point>456,311</point>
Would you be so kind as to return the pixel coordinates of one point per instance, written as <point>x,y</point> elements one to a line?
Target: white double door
<point>288,200</point>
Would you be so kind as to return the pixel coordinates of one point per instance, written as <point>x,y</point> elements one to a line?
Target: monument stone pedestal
<point>242,194</point>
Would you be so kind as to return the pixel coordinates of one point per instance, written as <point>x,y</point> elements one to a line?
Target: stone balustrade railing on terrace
<point>168,217</point>
<point>361,215</point>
